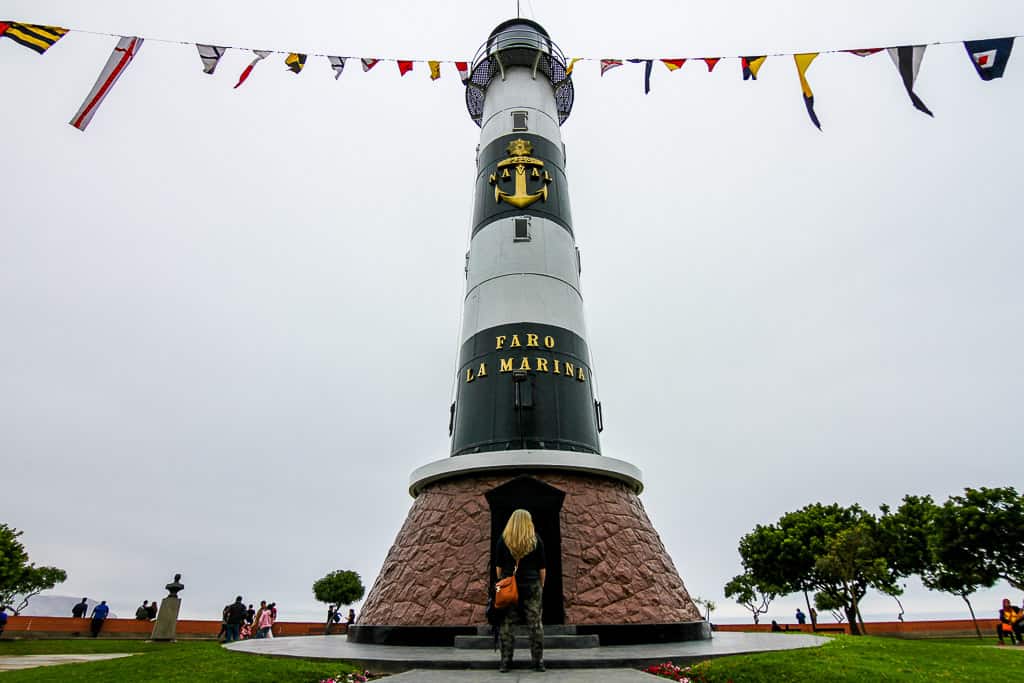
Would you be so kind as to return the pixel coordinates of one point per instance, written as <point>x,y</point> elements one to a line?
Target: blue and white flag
<point>989,56</point>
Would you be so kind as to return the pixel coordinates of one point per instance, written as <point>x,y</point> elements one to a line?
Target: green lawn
<point>182,661</point>
<point>846,658</point>
<point>865,658</point>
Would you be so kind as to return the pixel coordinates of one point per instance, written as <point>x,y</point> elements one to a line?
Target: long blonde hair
<point>520,537</point>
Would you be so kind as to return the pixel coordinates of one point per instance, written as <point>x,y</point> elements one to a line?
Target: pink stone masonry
<point>615,569</point>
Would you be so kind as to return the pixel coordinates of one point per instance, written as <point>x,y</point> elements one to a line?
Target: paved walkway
<point>31,661</point>
<point>396,658</point>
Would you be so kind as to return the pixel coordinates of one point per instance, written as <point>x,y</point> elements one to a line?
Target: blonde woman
<point>520,550</point>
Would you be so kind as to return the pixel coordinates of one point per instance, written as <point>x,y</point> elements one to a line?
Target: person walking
<point>255,623</point>
<point>801,618</point>
<point>223,623</point>
<point>234,615</point>
<point>3,619</point>
<point>520,552</point>
<point>266,620</point>
<point>99,615</point>
<point>273,618</point>
<point>79,610</point>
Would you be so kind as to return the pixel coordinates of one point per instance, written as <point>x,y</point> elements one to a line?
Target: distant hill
<point>57,606</point>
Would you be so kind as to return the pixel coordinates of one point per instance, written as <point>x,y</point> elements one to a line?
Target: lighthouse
<point>525,421</point>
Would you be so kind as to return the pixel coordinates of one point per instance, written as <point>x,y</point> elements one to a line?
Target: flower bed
<point>676,673</point>
<point>353,677</point>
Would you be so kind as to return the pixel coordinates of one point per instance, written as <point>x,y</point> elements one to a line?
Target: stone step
<point>523,642</point>
<point>521,630</point>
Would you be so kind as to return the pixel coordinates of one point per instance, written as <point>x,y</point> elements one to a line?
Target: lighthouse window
<point>522,230</point>
<point>519,120</point>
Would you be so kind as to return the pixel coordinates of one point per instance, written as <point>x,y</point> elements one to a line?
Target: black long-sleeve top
<point>529,565</point>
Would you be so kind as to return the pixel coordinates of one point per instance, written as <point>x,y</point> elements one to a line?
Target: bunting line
<point>988,56</point>
<point>245,48</point>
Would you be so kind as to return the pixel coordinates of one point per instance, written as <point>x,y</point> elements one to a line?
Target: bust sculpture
<point>174,586</point>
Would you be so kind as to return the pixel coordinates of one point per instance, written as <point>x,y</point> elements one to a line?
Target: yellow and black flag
<point>32,36</point>
<point>295,61</point>
<point>751,65</point>
<point>802,62</point>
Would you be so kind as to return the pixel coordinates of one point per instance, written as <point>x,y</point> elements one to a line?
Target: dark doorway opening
<point>544,502</point>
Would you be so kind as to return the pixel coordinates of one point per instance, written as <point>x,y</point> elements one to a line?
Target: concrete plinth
<point>166,626</point>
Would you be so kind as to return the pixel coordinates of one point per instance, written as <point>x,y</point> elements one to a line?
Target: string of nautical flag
<point>41,38</point>
<point>989,57</point>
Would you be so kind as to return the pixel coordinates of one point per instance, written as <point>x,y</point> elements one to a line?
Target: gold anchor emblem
<point>518,164</point>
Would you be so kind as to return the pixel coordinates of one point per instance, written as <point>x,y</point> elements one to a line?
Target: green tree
<point>708,605</point>
<point>776,557</point>
<point>807,550</point>
<point>907,534</point>
<point>991,527</point>
<point>747,591</point>
<point>852,562</point>
<point>21,580</point>
<point>958,563</point>
<point>340,587</point>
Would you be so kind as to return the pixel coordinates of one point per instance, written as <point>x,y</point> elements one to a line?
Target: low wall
<point>188,629</point>
<point>947,628</point>
<point>195,629</point>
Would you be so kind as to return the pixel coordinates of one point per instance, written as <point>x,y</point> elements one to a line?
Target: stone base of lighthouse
<point>608,572</point>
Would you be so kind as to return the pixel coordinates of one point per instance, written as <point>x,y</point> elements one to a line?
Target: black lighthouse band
<point>525,386</point>
<point>544,180</point>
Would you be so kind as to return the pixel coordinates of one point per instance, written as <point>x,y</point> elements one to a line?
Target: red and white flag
<point>608,64</point>
<point>463,68</point>
<point>369,63</point>
<point>125,51</point>
<point>260,55</point>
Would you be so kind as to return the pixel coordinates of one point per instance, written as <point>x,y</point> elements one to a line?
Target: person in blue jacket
<point>99,615</point>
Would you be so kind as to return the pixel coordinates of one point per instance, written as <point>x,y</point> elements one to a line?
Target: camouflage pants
<point>529,611</point>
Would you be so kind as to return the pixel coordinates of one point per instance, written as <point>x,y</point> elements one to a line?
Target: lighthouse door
<point>544,503</point>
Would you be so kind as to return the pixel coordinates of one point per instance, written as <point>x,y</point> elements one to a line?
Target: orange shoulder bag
<point>506,593</point>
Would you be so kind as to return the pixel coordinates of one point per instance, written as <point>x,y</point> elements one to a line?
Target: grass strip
<point>854,659</point>
<point>181,661</point>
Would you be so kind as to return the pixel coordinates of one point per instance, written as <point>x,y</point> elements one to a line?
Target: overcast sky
<point>229,317</point>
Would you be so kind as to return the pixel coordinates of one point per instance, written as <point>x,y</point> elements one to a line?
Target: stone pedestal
<point>166,626</point>
<point>615,570</point>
